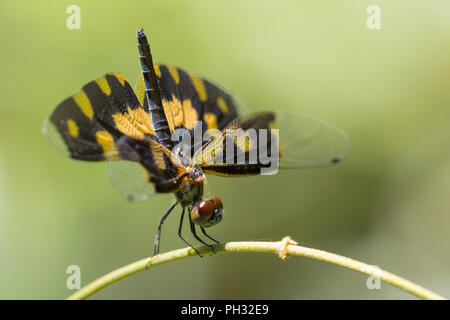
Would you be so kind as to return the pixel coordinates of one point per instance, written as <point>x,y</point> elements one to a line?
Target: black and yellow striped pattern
<point>108,120</point>
<point>91,121</point>
<point>244,160</point>
<point>187,98</point>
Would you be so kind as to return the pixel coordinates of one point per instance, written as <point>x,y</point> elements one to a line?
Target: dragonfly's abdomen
<point>152,92</point>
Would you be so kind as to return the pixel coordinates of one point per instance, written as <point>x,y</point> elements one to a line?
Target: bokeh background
<point>387,204</point>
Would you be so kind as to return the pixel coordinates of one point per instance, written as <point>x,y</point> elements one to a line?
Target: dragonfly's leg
<point>204,232</point>
<point>161,222</point>
<point>181,237</point>
<point>197,237</point>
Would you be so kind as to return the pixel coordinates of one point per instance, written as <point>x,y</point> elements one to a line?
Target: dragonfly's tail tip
<point>140,32</point>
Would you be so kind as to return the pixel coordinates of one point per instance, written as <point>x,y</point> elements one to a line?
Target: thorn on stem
<point>285,242</point>
<point>148,264</point>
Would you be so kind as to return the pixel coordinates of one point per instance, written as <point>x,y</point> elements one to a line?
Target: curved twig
<point>284,248</point>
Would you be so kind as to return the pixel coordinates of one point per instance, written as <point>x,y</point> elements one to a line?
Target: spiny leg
<point>197,237</point>
<point>204,232</point>
<point>181,237</point>
<point>158,233</point>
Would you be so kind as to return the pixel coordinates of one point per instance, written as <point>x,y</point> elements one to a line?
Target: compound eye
<point>203,212</point>
<point>217,202</point>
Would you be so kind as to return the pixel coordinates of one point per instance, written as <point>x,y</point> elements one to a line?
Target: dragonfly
<point>174,128</point>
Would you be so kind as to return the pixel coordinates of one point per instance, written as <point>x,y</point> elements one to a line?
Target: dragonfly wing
<point>105,121</point>
<point>306,142</point>
<point>249,146</point>
<point>188,98</point>
<point>86,125</point>
<point>131,179</point>
<point>147,163</point>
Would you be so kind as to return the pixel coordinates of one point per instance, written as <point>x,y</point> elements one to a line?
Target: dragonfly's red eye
<point>218,203</point>
<point>201,213</point>
<point>217,214</point>
<point>206,208</point>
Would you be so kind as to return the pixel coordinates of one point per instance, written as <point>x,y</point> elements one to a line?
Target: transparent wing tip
<point>306,142</point>
<point>131,179</point>
<point>53,137</point>
<point>136,196</point>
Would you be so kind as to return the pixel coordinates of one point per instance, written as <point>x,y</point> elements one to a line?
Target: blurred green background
<point>387,204</point>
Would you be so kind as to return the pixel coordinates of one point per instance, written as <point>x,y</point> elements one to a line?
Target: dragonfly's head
<point>207,213</point>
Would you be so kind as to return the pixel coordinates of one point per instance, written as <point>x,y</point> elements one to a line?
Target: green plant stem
<point>284,248</point>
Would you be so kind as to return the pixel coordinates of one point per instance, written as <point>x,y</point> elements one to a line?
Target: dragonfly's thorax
<point>192,191</point>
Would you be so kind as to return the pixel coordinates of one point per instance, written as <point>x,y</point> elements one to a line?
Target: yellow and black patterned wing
<point>161,167</point>
<point>90,121</point>
<point>249,146</point>
<point>105,121</point>
<point>187,98</point>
